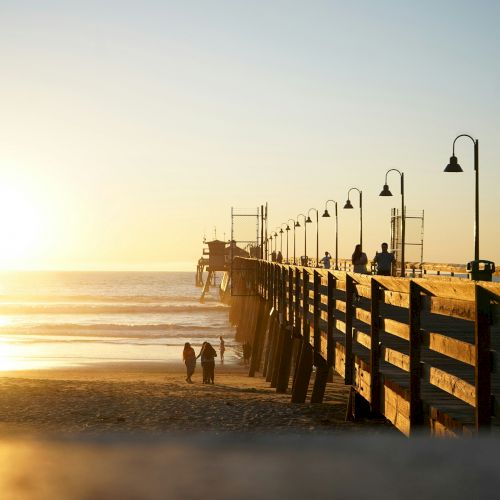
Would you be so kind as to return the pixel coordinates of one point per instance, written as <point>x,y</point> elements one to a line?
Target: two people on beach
<point>383,261</point>
<point>207,355</point>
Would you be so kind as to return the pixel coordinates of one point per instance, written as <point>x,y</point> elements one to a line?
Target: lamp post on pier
<point>288,229</point>
<point>348,204</point>
<point>327,214</point>
<point>473,267</point>
<point>297,224</point>
<point>453,166</point>
<point>386,192</point>
<point>309,221</point>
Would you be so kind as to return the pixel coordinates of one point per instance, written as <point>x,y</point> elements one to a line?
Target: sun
<point>20,227</point>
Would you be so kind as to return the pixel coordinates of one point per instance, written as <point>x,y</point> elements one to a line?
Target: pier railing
<point>421,352</point>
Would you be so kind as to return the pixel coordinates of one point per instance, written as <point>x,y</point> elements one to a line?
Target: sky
<point>128,130</point>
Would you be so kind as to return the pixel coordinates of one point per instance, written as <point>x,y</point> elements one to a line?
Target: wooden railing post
<point>375,347</point>
<point>349,313</point>
<point>321,364</point>
<point>483,361</point>
<point>416,410</point>
<point>332,282</point>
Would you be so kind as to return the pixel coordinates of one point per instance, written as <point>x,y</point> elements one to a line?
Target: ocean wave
<point>138,299</point>
<point>9,309</point>
<point>77,329</point>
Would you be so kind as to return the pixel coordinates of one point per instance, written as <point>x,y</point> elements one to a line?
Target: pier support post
<point>285,359</point>
<point>302,373</point>
<point>322,369</point>
<point>258,337</point>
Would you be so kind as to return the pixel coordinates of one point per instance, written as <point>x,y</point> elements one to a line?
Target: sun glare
<point>20,227</point>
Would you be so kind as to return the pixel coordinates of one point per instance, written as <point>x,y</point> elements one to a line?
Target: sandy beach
<point>154,398</point>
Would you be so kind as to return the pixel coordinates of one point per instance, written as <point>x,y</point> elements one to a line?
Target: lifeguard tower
<point>214,259</point>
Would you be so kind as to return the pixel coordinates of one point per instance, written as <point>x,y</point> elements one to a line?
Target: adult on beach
<point>359,260</point>
<point>326,260</point>
<point>207,355</point>
<point>189,357</point>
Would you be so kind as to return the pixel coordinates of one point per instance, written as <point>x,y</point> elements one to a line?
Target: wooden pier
<point>420,351</point>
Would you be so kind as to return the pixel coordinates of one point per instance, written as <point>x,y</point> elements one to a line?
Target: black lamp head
<point>386,191</point>
<point>348,204</point>
<point>326,214</point>
<point>287,228</point>
<point>297,224</point>
<point>308,220</point>
<point>453,166</point>
<point>281,230</point>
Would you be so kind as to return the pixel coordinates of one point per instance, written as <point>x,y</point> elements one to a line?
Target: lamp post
<point>275,234</point>
<point>326,214</point>
<point>386,192</point>
<point>453,166</point>
<point>297,224</point>
<point>281,238</point>
<point>348,204</point>
<point>308,221</point>
<point>287,230</point>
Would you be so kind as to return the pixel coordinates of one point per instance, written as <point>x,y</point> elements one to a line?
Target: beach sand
<point>154,398</point>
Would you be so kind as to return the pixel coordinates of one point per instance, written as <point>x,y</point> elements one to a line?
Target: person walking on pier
<point>189,357</point>
<point>207,354</point>
<point>359,260</point>
<point>384,261</point>
<point>279,257</point>
<point>326,260</point>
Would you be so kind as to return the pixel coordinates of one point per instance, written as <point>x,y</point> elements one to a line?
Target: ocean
<point>63,319</point>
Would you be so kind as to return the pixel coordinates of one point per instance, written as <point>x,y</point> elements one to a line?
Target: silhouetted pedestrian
<point>326,260</point>
<point>189,357</point>
<point>359,260</point>
<point>207,354</point>
<point>384,261</point>
<point>279,257</point>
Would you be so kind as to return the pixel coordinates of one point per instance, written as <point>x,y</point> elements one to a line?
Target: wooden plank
<point>394,284</point>
<point>449,383</point>
<point>455,308</point>
<point>340,306</point>
<point>453,348</point>
<point>361,338</point>
<point>363,291</point>
<point>447,289</point>
<point>363,316</point>
<point>396,328</point>
<point>397,299</point>
<point>396,358</point>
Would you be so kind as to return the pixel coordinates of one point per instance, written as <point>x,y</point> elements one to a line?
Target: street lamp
<point>288,229</point>
<point>297,224</point>
<point>326,214</point>
<point>453,166</point>
<point>308,221</point>
<point>348,204</point>
<point>281,238</point>
<point>386,192</point>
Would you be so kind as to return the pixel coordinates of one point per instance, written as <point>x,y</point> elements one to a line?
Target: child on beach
<point>189,357</point>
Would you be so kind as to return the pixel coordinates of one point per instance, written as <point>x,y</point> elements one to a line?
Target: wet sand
<point>154,398</point>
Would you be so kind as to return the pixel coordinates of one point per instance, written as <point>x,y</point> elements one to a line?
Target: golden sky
<point>128,131</point>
